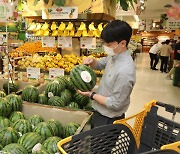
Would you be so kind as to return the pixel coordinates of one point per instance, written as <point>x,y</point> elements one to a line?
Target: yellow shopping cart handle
<point>60,143</point>
<point>173,146</point>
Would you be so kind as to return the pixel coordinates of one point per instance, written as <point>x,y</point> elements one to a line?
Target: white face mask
<point>110,51</point>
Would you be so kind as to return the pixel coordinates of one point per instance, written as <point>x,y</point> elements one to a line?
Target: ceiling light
<point>12,3</point>
<point>154,24</point>
<point>141,1</point>
<point>136,17</point>
<point>142,7</point>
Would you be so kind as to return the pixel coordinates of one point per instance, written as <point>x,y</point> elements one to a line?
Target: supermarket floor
<point>151,85</point>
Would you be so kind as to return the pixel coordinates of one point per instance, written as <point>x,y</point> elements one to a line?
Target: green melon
<point>42,99</point>
<point>44,129</point>
<point>30,94</point>
<point>88,107</point>
<point>66,96</point>
<point>54,88</point>
<point>74,105</point>
<point>5,107</point>
<point>14,148</point>
<point>8,135</point>
<point>4,122</point>
<point>70,129</point>
<point>51,144</point>
<point>13,87</point>
<point>1,147</point>
<point>62,80</point>
<point>56,101</point>
<point>15,101</point>
<point>29,140</point>
<point>35,120</point>
<point>2,94</point>
<point>70,87</point>
<point>22,126</point>
<point>81,100</point>
<point>59,2</point>
<point>42,152</point>
<point>15,116</point>
<point>57,127</point>
<point>83,78</point>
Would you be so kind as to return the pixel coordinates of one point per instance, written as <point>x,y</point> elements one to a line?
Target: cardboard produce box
<point>62,115</point>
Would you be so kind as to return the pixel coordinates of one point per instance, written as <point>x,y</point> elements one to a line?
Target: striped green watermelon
<point>14,148</point>
<point>81,100</point>
<point>5,107</point>
<point>30,94</point>
<point>4,122</point>
<point>2,94</point>
<point>83,77</point>
<point>22,126</point>
<point>88,107</point>
<point>35,120</point>
<point>54,88</point>
<point>1,147</point>
<point>70,129</point>
<point>42,99</point>
<point>57,127</point>
<point>8,135</point>
<point>50,144</point>
<point>62,80</point>
<point>15,101</point>
<point>74,105</point>
<point>56,101</point>
<point>29,140</point>
<point>15,116</point>
<point>42,152</point>
<point>66,96</point>
<point>44,129</point>
<point>13,87</point>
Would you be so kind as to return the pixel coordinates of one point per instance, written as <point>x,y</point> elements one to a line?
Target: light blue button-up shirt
<point>116,84</point>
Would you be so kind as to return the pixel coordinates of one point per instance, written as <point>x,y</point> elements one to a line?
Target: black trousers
<point>100,120</point>
<point>164,63</point>
<point>154,60</point>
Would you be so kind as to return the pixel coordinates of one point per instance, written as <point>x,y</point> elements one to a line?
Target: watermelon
<point>42,99</point>
<point>30,94</point>
<point>54,88</point>
<point>15,101</point>
<point>35,120</point>
<point>14,148</point>
<point>15,116</point>
<point>83,78</point>
<point>74,105</point>
<point>1,147</point>
<point>2,94</point>
<point>29,140</point>
<point>5,107</point>
<point>4,122</point>
<point>70,87</point>
<point>22,126</point>
<point>44,129</point>
<point>66,96</point>
<point>70,129</point>
<point>13,87</point>
<point>63,81</point>
<point>81,100</point>
<point>57,127</point>
<point>8,135</point>
<point>42,152</point>
<point>51,144</point>
<point>56,101</point>
<point>88,107</point>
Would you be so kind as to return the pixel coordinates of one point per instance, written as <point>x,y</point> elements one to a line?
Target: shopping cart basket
<point>151,130</point>
<point>107,139</point>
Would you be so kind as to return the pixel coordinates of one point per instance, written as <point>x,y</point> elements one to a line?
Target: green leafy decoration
<point>59,2</point>
<point>177,1</point>
<point>124,5</point>
<point>35,2</point>
<point>46,1</point>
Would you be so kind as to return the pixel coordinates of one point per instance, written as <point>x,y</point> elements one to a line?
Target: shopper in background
<point>153,52</point>
<point>1,61</point>
<point>176,58</point>
<point>113,96</point>
<point>165,52</point>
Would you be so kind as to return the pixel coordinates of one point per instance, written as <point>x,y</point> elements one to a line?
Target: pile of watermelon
<point>22,135</point>
<point>59,92</point>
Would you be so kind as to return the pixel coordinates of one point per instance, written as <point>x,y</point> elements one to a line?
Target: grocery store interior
<point>48,96</point>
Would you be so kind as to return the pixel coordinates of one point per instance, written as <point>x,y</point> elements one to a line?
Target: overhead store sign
<point>60,13</point>
<point>87,43</point>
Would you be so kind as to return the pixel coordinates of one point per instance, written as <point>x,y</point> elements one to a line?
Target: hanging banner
<point>87,43</point>
<point>48,42</point>
<point>60,13</point>
<point>54,72</point>
<point>65,42</point>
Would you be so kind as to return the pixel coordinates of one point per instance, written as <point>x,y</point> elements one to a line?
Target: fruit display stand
<point>63,115</point>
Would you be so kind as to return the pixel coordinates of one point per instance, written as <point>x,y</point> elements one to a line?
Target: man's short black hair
<point>167,41</point>
<point>117,30</point>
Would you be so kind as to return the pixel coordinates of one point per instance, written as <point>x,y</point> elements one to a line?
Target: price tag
<point>33,72</point>
<point>87,43</point>
<point>48,42</point>
<point>54,72</point>
<point>65,42</point>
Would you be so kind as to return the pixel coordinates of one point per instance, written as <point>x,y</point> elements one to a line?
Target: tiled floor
<point>151,85</point>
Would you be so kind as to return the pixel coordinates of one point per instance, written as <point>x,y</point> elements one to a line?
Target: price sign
<point>65,42</point>
<point>88,43</point>
<point>48,42</point>
<point>33,73</point>
<point>54,72</point>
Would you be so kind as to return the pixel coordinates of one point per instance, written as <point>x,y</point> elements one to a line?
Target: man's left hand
<point>88,93</point>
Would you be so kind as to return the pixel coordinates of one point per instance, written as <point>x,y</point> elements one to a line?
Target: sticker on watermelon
<point>86,77</point>
<point>50,94</point>
<point>37,147</point>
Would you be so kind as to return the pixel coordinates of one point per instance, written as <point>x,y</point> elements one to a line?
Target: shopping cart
<point>146,131</point>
